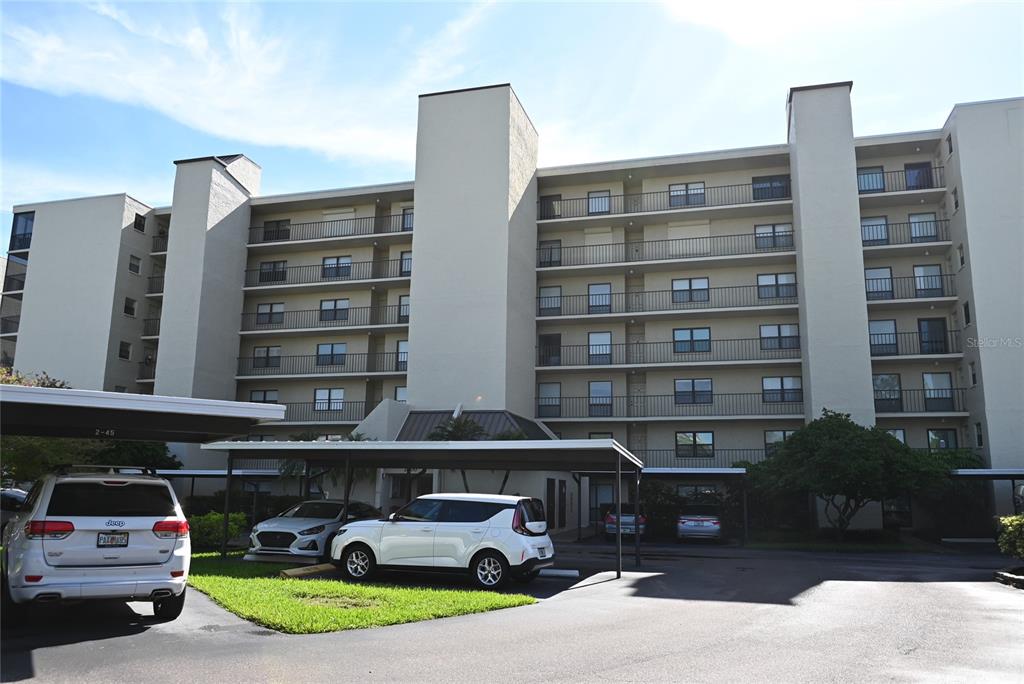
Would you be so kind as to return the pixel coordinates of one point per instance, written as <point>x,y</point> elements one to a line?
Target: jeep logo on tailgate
<point>115,523</point>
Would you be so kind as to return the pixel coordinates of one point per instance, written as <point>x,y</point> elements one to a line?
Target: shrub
<point>207,530</point>
<point>1011,535</point>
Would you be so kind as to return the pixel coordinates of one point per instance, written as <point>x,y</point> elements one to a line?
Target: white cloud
<point>23,183</point>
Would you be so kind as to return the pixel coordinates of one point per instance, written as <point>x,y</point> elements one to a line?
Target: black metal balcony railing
<point>394,314</point>
<point>916,178</point>
<point>317,273</point>
<point>326,364</point>
<point>326,411</point>
<point>920,401</point>
<point>664,250</point>
<point>717,196</point>
<point>906,344</point>
<point>316,230</point>
<point>151,327</point>
<point>667,300</point>
<point>653,406</point>
<point>14,282</point>
<point>155,284</point>
<point>905,233</point>
<point>911,287</point>
<point>159,243</point>
<point>682,351</point>
<point>23,241</point>
<point>9,324</point>
<point>147,370</point>
<point>700,457</point>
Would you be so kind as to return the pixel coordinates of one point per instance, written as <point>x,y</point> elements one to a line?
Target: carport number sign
<point>108,432</point>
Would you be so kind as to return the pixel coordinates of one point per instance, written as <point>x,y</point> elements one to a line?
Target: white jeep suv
<point>493,537</point>
<point>97,535</point>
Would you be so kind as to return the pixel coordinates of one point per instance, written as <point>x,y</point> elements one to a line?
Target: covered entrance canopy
<point>570,455</point>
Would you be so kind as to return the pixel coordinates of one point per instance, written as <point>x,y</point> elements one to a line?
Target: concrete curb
<point>1011,577</point>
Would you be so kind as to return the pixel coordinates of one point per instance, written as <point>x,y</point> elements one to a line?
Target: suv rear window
<point>533,510</point>
<point>470,511</point>
<point>96,499</point>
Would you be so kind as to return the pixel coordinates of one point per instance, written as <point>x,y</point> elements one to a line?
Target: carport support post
<point>618,515</point>
<point>579,505</point>
<point>636,521</point>
<point>227,508</point>
<point>745,525</point>
<point>348,487</point>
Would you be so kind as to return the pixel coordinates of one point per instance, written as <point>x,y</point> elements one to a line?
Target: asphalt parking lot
<point>710,615</point>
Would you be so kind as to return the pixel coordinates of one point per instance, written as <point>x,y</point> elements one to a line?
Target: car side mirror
<point>392,517</point>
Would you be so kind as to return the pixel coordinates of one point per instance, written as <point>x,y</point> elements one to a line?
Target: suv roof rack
<point>69,468</point>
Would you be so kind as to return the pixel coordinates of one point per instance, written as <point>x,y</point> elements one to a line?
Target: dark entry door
<point>932,333</point>
<point>549,503</point>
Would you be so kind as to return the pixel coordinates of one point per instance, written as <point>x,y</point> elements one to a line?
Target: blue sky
<point>102,97</point>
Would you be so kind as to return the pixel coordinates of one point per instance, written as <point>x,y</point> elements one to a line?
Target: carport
<point>1013,475</point>
<point>578,456</point>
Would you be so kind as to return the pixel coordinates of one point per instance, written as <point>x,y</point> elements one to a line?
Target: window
<point>686,194</point>
<point>120,388</point>
<point>967,313</point>
<point>689,340</point>
<point>770,187</point>
<point>949,144</point>
<point>918,175</point>
<point>870,179</point>
<point>402,393</point>
<point>956,199</point>
<point>331,354</point>
<point>549,303</point>
<point>973,373</point>
<point>336,267</point>
<point>402,355</point>
<point>21,231</point>
<point>931,333</point>
<point>266,357</point>
<point>407,217</point>
<point>942,439</point>
<point>923,227</point>
<point>134,264</point>
<point>600,398</point>
<point>781,389</point>
<point>960,255</point>
<point>550,206</point>
<point>874,230</point>
<point>549,400</point>
<point>695,444</point>
<point>780,336</point>
<point>403,308</point>
<point>599,298</point>
<point>95,499</point>
<point>276,230</point>
<point>774,438</point>
<point>600,435</point>
<point>470,511</point>
<point>888,395</point>
<point>332,399</point>
<point>770,236</point>
<point>599,202</point>
<point>694,391</point>
<point>405,264</point>
<point>776,285</point>
<point>140,223</point>
<point>928,281</point>
<point>550,253</point>
<point>690,290</point>
<point>273,271</point>
<point>979,438</point>
<point>333,309</point>
<point>549,349</point>
<point>882,338</point>
<point>420,510</point>
<point>899,433</point>
<point>263,396</point>
<point>270,314</point>
<point>938,391</point>
<point>599,348</point>
<point>129,307</point>
<point>878,283</point>
<point>124,351</point>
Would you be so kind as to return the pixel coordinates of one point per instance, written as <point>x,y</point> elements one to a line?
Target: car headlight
<point>313,530</point>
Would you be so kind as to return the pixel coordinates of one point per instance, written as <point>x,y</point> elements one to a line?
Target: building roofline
<point>817,86</point>
<point>333,192</point>
<point>906,136</point>
<point>29,205</point>
<point>467,90</point>
<point>222,159</point>
<point>684,158</point>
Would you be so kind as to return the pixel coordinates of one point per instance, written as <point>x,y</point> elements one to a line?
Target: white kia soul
<point>493,537</point>
<point>98,535</point>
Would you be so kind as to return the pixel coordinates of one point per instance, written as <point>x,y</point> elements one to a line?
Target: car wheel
<point>357,562</point>
<point>489,570</point>
<point>169,608</point>
<point>526,577</point>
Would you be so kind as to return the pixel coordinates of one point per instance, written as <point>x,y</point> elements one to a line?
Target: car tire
<point>357,562</point>
<point>169,608</point>
<point>526,577</point>
<point>489,570</point>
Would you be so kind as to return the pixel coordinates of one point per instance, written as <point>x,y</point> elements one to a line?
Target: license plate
<point>115,539</point>
<point>627,530</point>
<point>542,552</point>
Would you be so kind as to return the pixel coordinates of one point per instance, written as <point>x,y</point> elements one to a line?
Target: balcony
<point>360,316</point>
<point>325,412</point>
<point>318,273</point>
<point>150,327</point>
<point>701,457</point>
<point>159,244</point>
<point>767,404</point>
<point>14,282</point>
<point>387,363</point>
<point>155,285</point>
<point>664,250</point>
<point>914,344</point>
<point>663,201</point>
<point>918,177</point>
<point>667,300</point>
<point>147,370</point>
<point>674,353</point>
<point>951,400</point>
<point>325,230</point>
<point>9,325</point>
<point>911,287</point>
<point>20,242</point>
<point>914,233</point>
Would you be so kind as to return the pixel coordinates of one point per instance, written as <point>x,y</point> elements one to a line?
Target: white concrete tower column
<point>830,260</point>
<point>472,327</point>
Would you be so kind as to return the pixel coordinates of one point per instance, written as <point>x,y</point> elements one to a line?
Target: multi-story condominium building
<point>696,307</point>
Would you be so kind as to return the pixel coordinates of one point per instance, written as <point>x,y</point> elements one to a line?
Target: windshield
<point>314,509</point>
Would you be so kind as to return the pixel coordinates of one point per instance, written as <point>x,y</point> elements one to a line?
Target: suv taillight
<point>643,519</point>
<point>609,518</point>
<point>171,529</point>
<point>48,529</point>
<point>517,522</point>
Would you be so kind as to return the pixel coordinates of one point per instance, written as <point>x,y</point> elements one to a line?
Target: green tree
<point>461,429</point>
<point>848,466</point>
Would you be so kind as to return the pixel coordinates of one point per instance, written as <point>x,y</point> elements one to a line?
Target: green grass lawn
<point>306,606</point>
